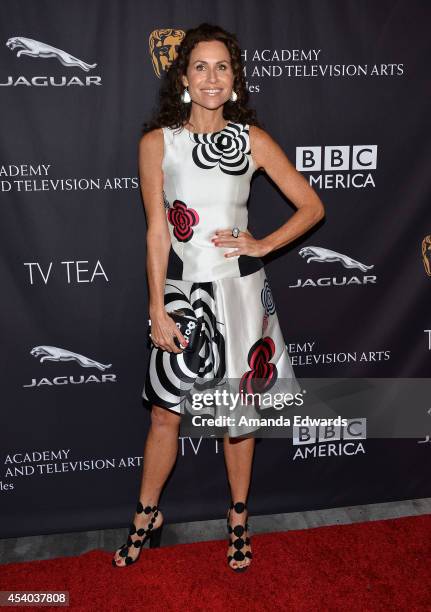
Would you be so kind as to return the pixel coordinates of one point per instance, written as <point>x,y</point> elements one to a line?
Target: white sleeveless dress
<point>206,187</point>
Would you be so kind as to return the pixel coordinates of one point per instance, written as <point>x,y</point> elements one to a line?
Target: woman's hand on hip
<point>245,244</point>
<point>163,330</point>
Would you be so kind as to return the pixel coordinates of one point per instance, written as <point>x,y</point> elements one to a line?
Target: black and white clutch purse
<point>189,326</point>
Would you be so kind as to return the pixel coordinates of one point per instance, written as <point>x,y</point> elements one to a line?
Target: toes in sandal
<point>239,542</point>
<point>153,535</point>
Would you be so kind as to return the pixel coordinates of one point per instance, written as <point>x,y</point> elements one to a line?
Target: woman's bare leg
<point>160,453</point>
<point>239,457</point>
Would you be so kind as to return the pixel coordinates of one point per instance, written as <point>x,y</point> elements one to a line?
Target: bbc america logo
<point>341,166</point>
<point>334,158</point>
<point>330,440</point>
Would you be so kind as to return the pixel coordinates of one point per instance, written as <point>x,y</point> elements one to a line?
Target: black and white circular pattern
<point>267,298</point>
<point>171,377</point>
<point>228,149</point>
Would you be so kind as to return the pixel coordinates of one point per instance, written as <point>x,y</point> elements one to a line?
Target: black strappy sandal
<point>154,535</point>
<point>239,542</point>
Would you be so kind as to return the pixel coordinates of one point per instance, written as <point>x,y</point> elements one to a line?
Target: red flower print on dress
<point>182,218</point>
<point>263,374</point>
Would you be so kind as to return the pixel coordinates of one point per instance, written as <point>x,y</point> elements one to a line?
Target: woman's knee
<point>163,417</point>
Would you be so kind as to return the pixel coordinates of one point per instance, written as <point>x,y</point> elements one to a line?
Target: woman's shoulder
<point>260,142</point>
<point>153,139</point>
<point>256,131</point>
<point>153,134</point>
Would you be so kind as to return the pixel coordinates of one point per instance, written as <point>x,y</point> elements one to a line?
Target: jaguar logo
<point>164,45</point>
<point>35,48</point>
<point>53,353</point>
<point>322,255</point>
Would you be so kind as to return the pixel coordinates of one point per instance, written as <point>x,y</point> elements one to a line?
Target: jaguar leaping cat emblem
<point>35,48</point>
<point>54,353</point>
<point>322,255</point>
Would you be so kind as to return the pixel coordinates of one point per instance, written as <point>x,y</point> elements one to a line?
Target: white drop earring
<point>185,96</point>
<point>233,96</point>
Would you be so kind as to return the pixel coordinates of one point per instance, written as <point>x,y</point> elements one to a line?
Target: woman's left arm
<point>271,158</point>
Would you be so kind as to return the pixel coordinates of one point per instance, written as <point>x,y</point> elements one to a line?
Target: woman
<point>196,161</point>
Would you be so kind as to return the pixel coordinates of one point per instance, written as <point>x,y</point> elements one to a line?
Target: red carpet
<point>379,565</point>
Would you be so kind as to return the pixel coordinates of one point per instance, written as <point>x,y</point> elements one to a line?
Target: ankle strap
<point>147,509</point>
<point>238,506</point>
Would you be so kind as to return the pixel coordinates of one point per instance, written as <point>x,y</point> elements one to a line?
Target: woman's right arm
<point>163,327</point>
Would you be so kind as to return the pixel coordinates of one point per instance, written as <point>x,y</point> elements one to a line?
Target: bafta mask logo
<point>164,45</point>
<point>426,254</point>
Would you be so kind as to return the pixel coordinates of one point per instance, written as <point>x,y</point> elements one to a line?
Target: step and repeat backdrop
<point>343,88</point>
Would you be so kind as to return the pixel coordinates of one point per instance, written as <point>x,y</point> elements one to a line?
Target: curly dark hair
<point>172,112</point>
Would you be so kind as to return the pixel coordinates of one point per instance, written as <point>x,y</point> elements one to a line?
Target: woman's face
<point>209,75</point>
